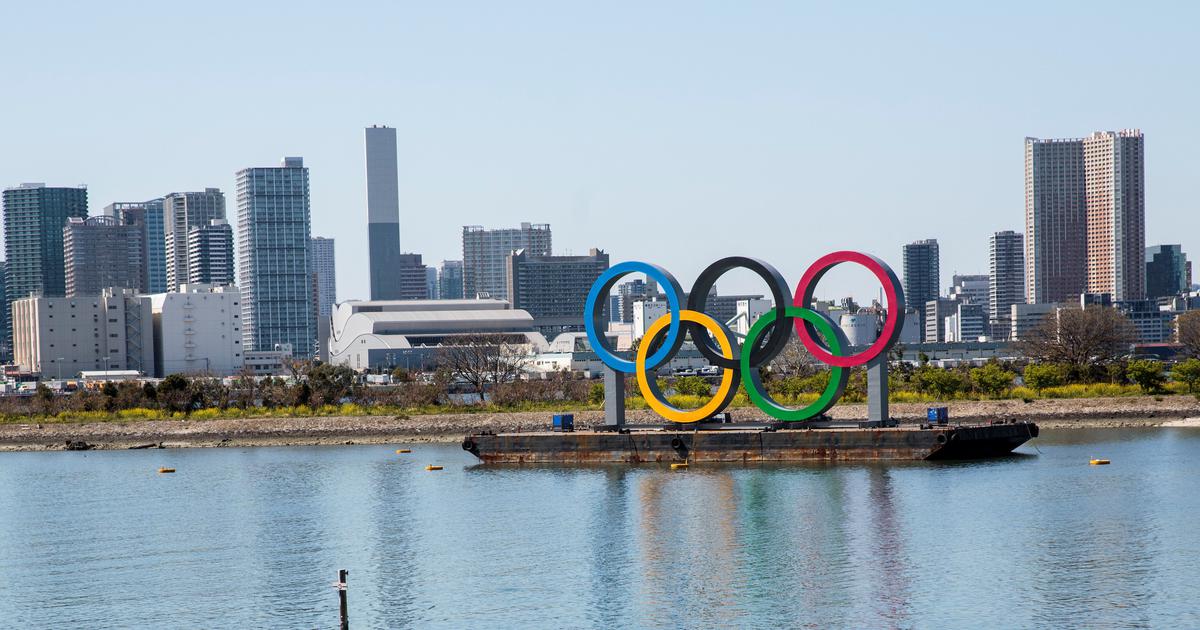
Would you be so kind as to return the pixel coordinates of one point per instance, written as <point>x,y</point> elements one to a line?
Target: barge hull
<point>752,445</point>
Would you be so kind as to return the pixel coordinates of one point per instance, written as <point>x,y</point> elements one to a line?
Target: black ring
<point>774,341</point>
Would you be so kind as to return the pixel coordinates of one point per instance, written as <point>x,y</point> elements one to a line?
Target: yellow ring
<point>727,376</point>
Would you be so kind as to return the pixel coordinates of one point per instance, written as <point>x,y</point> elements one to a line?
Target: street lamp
<point>58,361</point>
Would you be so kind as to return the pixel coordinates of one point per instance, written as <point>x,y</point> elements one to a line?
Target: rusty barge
<point>746,443</point>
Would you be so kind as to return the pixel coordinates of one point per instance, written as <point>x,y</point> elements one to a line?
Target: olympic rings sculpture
<point>764,341</point>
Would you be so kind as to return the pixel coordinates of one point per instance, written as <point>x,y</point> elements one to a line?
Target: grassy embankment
<point>1076,391</point>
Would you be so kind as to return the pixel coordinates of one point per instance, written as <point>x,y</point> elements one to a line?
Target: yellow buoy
<point>400,451</point>
<point>1099,462</point>
<point>164,469</point>
<point>679,465</point>
<point>432,467</point>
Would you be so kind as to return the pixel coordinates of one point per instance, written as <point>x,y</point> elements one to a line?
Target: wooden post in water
<point>341,587</point>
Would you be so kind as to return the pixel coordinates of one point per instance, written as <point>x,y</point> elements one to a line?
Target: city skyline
<point>614,146</point>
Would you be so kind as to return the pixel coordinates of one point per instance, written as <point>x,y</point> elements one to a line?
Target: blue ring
<point>604,284</point>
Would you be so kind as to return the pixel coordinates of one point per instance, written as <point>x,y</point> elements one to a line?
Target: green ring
<point>838,377</point>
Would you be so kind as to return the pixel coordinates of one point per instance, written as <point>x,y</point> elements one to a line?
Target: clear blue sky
<point>670,132</point>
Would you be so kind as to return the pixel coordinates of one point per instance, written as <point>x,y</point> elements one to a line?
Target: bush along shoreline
<point>327,391</point>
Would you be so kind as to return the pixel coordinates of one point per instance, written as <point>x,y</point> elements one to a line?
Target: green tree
<point>1040,376</point>
<point>1148,375</point>
<point>992,379</point>
<point>1188,373</point>
<point>596,393</point>
<point>329,383</point>
<point>174,392</point>
<point>692,386</point>
<point>942,383</point>
<point>45,399</point>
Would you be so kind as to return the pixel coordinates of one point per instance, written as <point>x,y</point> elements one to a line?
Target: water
<point>254,538</point>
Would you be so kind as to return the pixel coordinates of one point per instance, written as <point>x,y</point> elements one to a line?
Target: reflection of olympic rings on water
<point>766,338</point>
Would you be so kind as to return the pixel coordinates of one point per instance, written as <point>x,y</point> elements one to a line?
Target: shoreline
<point>1087,413</point>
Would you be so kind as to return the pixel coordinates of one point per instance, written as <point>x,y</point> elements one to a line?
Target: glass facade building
<point>34,218</point>
<point>273,258</point>
<point>148,215</point>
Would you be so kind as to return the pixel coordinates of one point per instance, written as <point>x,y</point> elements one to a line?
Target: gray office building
<point>34,217</point>
<point>1006,279</point>
<point>450,280</point>
<point>99,253</point>
<point>183,211</point>
<point>553,289</point>
<point>149,216</point>
<point>629,292</point>
<point>1168,271</point>
<point>210,254</point>
<point>431,283</point>
<point>273,266</point>
<point>485,256</point>
<point>383,213</point>
<point>411,278</point>
<point>936,312</point>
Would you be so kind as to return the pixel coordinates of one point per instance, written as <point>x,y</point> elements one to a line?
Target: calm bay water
<point>254,538</point>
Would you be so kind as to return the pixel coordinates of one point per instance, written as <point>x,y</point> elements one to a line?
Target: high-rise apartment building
<point>1055,221</point>
<point>210,254</point>
<point>1006,279</point>
<point>273,266</point>
<point>183,211</point>
<point>322,252</point>
<point>553,289</point>
<point>1084,217</point>
<point>922,273</point>
<point>99,253</point>
<point>383,213</point>
<point>149,216</point>
<point>34,217</point>
<point>485,256</point>
<point>1168,271</point>
<point>411,277</point>
<point>5,346</point>
<point>450,280</point>
<point>1114,167</point>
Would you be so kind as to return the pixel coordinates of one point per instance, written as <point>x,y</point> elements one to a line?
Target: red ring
<point>895,306</point>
